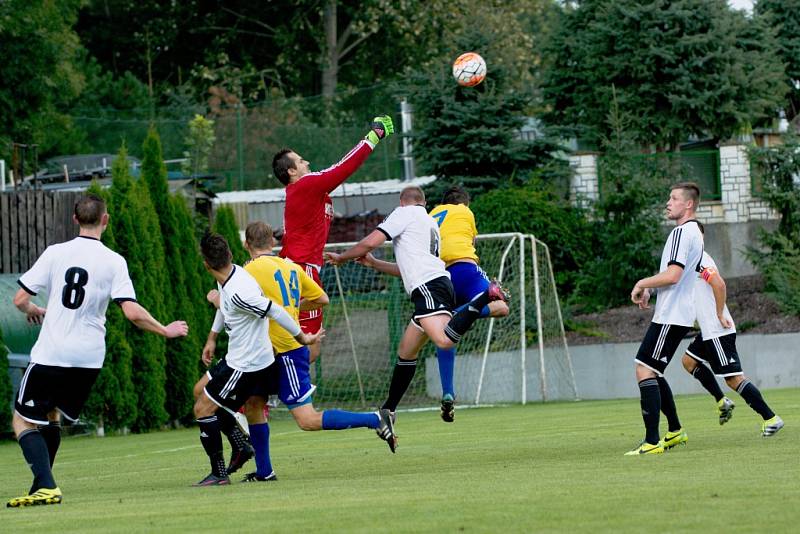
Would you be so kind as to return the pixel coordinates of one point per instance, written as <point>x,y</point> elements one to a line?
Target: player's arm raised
<point>139,316</point>
<point>332,177</point>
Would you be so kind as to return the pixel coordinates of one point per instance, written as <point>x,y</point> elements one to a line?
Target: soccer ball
<point>469,69</point>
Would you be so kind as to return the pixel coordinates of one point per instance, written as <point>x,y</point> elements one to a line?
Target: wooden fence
<point>29,222</point>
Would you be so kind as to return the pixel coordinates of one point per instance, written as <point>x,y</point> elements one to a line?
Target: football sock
<point>228,426</point>
<point>259,435</point>
<point>340,420</point>
<point>668,404</point>
<point>463,319</point>
<point>52,437</point>
<point>447,362</point>
<point>402,376</point>
<point>752,396</point>
<point>211,438</point>
<point>707,380</point>
<point>651,406</point>
<point>484,311</point>
<point>34,449</point>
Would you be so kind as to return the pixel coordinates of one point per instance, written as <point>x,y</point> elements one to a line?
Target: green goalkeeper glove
<point>381,127</point>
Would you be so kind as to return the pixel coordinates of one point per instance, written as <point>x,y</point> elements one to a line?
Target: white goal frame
<point>518,305</point>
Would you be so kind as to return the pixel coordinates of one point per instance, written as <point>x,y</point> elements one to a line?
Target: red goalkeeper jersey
<point>308,211</point>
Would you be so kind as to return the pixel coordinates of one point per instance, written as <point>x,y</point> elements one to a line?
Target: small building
<point>349,199</point>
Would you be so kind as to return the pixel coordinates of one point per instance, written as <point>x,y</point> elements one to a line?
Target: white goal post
<point>520,358</point>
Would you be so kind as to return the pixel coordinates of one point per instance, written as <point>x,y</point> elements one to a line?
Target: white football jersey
<point>79,277</point>
<point>706,305</point>
<point>415,237</point>
<point>244,309</point>
<point>675,303</point>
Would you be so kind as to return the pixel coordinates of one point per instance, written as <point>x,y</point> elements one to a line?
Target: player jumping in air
<point>715,347</point>
<point>458,232</point>
<point>248,367</point>
<point>415,238</point>
<point>79,278</point>
<point>287,284</point>
<point>308,211</point>
<point>674,317</point>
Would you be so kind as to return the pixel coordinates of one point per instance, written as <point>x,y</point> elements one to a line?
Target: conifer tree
<point>181,353</point>
<point>137,237</point>
<point>225,225</point>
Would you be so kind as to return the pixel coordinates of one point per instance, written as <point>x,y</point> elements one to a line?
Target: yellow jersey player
<point>458,232</point>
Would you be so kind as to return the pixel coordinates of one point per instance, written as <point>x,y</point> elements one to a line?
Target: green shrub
<point>778,255</point>
<point>538,210</point>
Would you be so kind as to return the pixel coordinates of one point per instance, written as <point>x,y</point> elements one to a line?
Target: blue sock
<point>259,435</point>
<point>341,420</point>
<point>484,311</point>
<point>447,363</point>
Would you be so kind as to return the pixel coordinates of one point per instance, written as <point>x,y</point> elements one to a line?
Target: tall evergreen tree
<point>137,236</point>
<point>5,388</point>
<point>225,225</point>
<point>679,68</point>
<point>785,16</point>
<point>181,353</point>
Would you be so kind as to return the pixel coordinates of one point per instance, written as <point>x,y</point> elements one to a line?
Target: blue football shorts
<point>468,280</point>
<point>295,387</point>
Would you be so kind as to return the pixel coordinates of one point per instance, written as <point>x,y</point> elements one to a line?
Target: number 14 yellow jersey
<point>284,283</point>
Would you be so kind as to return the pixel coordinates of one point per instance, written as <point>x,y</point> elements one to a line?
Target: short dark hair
<point>456,195</point>
<point>89,210</point>
<point>281,163</point>
<point>690,190</point>
<point>259,235</point>
<point>412,193</point>
<point>215,251</point>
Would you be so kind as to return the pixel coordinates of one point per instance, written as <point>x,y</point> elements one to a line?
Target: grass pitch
<point>543,467</point>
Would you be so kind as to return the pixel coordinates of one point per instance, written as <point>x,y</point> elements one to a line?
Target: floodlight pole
<point>407,156</point>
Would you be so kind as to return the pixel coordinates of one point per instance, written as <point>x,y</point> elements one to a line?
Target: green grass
<point>552,467</point>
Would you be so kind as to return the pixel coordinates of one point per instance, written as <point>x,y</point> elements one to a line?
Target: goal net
<point>520,358</point>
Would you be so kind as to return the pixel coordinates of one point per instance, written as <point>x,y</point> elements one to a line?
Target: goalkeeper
<point>458,232</point>
<point>308,211</point>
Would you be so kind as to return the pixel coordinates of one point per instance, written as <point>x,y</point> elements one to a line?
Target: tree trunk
<point>330,70</point>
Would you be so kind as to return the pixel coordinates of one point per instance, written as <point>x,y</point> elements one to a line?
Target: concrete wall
<point>606,371</point>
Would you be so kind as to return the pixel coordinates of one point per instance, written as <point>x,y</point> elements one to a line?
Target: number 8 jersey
<point>79,277</point>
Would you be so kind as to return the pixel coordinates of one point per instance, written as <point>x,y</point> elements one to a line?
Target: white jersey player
<point>715,348</point>
<point>674,316</point>
<point>79,277</point>
<point>247,368</point>
<point>415,238</point>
